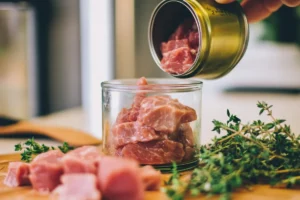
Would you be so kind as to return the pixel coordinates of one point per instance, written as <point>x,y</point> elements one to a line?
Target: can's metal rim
<point>193,70</point>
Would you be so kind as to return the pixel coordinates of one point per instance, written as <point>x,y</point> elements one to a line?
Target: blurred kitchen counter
<point>215,104</point>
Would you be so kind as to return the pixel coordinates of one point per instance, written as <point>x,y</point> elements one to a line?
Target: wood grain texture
<point>72,136</point>
<point>259,192</point>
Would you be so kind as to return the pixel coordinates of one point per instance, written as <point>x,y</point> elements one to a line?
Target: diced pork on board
<point>45,170</point>
<point>132,132</point>
<point>151,178</point>
<point>119,179</point>
<point>78,187</point>
<point>81,160</point>
<point>165,114</point>
<point>154,152</point>
<point>17,175</point>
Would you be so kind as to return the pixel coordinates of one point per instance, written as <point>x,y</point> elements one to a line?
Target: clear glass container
<point>156,124</point>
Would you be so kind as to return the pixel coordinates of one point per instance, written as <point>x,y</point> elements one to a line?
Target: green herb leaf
<point>31,148</point>
<point>228,113</point>
<point>18,147</point>
<point>259,152</point>
<point>65,147</point>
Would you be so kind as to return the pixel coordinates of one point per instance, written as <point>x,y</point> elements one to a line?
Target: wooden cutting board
<point>259,192</point>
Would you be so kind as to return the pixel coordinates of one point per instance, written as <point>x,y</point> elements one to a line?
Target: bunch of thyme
<point>31,148</point>
<point>247,154</point>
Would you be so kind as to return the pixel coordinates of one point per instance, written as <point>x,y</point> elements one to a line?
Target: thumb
<point>225,1</point>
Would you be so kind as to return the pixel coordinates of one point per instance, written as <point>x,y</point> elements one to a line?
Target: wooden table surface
<point>259,192</point>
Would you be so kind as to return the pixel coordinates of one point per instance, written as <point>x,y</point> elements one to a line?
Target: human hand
<point>257,10</point>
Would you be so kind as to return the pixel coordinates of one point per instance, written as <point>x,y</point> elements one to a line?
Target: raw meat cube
<point>81,160</point>
<point>142,81</point>
<point>118,179</point>
<point>165,114</point>
<point>132,132</point>
<point>183,29</point>
<point>186,137</point>
<point>154,152</point>
<point>45,170</point>
<point>179,52</point>
<point>168,47</point>
<point>130,115</point>
<point>78,187</point>
<point>178,61</point>
<point>52,156</point>
<point>189,153</point>
<point>194,40</point>
<point>123,116</point>
<point>17,175</point>
<point>151,178</point>
<point>137,100</point>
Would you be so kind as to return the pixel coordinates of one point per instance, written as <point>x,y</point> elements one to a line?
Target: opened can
<point>221,41</point>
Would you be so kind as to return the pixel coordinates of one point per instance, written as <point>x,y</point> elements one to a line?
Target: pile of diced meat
<point>155,130</point>
<point>84,174</point>
<point>179,52</point>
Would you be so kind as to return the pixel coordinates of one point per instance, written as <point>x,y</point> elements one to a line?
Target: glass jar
<point>156,124</point>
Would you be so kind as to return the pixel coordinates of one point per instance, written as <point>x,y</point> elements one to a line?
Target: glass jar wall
<point>154,121</point>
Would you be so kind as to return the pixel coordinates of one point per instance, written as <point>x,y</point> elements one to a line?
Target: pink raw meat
<point>154,152</point>
<point>151,178</point>
<point>183,29</point>
<point>123,116</point>
<point>189,153</point>
<point>130,115</point>
<point>78,187</point>
<point>137,100</point>
<point>185,134</point>
<point>178,61</point>
<point>194,40</point>
<point>45,170</point>
<point>118,179</point>
<point>179,52</point>
<point>165,114</point>
<point>172,45</point>
<point>17,175</point>
<point>186,137</point>
<point>132,132</point>
<point>81,160</point>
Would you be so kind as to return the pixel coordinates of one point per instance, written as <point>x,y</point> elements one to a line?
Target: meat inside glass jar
<point>154,130</point>
<point>180,51</point>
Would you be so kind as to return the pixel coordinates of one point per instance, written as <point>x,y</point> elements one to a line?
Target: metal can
<point>223,30</point>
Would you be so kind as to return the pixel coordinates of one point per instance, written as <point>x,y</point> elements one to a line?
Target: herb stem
<point>274,120</point>
<point>295,178</point>
<point>287,171</point>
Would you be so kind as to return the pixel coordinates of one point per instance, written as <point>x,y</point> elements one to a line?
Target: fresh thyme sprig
<point>31,148</point>
<point>65,147</point>
<point>247,154</point>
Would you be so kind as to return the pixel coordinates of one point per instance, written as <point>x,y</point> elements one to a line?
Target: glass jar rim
<point>155,85</point>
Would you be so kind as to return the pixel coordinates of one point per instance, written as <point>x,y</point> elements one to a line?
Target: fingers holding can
<point>257,10</point>
<point>291,3</point>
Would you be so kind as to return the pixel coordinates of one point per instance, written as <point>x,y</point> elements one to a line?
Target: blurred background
<point>55,53</point>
